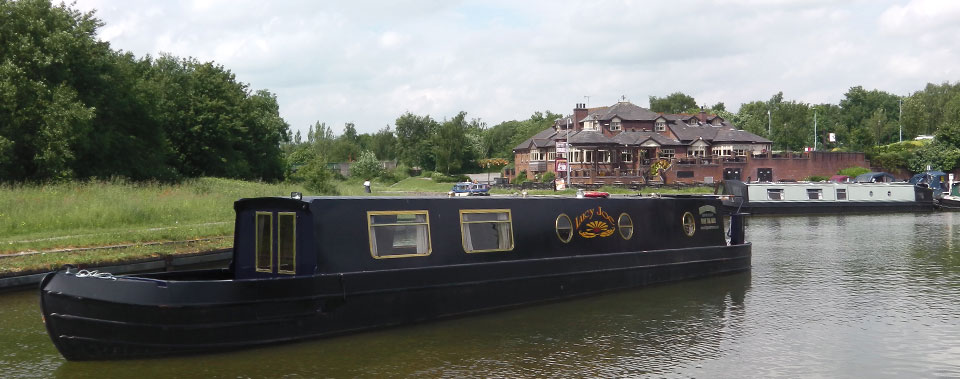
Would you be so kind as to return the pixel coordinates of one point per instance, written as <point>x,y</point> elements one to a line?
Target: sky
<point>368,62</point>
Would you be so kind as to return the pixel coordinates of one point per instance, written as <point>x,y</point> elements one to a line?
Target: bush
<point>547,177</point>
<point>817,178</point>
<point>441,178</point>
<point>853,172</point>
<point>367,166</point>
<point>521,177</point>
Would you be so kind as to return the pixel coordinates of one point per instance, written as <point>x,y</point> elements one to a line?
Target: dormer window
<point>693,121</point>
<point>616,125</point>
<point>660,125</point>
<point>715,122</point>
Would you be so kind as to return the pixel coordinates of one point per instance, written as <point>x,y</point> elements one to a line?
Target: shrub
<point>521,177</point>
<point>367,166</point>
<point>853,172</point>
<point>817,178</point>
<point>547,177</point>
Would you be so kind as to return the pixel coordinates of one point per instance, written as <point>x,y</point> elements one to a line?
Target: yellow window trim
<point>556,227</point>
<point>256,220</point>
<point>371,225</point>
<point>621,228</point>
<point>463,237</point>
<point>689,224</point>
<point>280,243</point>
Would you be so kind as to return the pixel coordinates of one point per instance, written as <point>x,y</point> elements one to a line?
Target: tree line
<point>71,107</point>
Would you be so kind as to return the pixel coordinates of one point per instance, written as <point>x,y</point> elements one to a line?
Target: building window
<point>666,153</point>
<point>626,156</point>
<point>486,230</point>
<point>684,174</point>
<point>551,156</point>
<point>660,125</point>
<point>625,224</point>
<point>536,155</point>
<point>588,156</point>
<point>398,234</point>
<point>604,156</point>
<point>716,122</point>
<point>590,125</point>
<point>775,194</point>
<point>693,122</point>
<point>814,194</point>
<point>264,242</point>
<point>287,243</point>
<point>740,152</point>
<point>616,125</point>
<point>698,152</point>
<point>576,156</point>
<point>841,193</point>
<point>564,228</point>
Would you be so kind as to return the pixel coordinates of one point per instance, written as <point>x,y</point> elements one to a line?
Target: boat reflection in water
<point>312,267</point>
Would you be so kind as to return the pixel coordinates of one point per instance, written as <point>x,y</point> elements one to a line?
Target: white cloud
<point>368,62</point>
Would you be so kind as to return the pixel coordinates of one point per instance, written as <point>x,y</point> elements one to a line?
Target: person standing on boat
<point>366,186</point>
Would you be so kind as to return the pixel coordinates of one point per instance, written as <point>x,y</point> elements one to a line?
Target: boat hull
<point>799,208</point>
<point>92,319</point>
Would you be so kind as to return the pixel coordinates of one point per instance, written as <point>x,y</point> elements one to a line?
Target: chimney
<point>579,113</point>
<point>702,116</point>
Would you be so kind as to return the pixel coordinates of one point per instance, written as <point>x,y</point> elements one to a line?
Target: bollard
<point>737,236</point>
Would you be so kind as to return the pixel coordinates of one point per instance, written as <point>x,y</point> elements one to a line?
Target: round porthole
<point>871,193</point>
<point>689,224</point>
<point>625,224</point>
<point>889,194</point>
<point>564,228</point>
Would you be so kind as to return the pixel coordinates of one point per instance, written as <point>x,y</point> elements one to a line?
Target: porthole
<point>625,224</point>
<point>871,193</point>
<point>564,228</point>
<point>689,224</point>
<point>889,194</point>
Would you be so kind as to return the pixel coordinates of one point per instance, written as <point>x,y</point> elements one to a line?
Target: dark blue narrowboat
<point>470,189</point>
<point>321,266</point>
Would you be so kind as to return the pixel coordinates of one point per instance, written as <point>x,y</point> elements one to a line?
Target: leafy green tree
<point>366,167</point>
<point>384,144</point>
<point>859,114</point>
<point>937,155</point>
<point>451,147</point>
<point>415,140</point>
<point>676,102</point>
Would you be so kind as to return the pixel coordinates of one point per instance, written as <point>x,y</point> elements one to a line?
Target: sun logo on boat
<point>596,229</point>
<point>594,223</point>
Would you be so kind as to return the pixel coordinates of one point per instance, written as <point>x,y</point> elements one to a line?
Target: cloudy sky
<point>368,62</point>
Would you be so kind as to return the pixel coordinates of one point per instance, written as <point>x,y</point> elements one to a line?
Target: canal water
<point>828,296</point>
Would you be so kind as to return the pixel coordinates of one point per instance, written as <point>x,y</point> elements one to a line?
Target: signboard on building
<point>561,165</point>
<point>832,137</point>
<point>561,147</point>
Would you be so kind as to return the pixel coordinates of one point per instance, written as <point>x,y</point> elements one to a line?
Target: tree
<point>451,147</point>
<point>367,166</point>
<point>676,102</point>
<point>415,140</point>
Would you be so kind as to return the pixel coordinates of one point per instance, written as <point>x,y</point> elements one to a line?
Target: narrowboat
<point>308,267</point>
<point>758,198</point>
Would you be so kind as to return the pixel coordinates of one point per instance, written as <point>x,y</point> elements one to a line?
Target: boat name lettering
<point>708,217</point>
<point>603,227</point>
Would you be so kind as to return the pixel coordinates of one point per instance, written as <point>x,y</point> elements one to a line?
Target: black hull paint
<point>92,319</point>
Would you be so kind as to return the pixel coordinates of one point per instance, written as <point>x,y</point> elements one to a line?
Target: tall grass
<point>93,213</point>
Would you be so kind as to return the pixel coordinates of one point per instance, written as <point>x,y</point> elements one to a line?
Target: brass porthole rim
<point>556,227</point>
<point>689,228</point>
<point>620,226</point>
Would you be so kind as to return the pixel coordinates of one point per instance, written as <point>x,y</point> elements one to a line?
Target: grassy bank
<point>54,219</point>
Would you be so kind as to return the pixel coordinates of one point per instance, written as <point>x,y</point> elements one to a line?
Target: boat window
<point>889,194</point>
<point>689,224</point>
<point>625,224</point>
<point>775,194</point>
<point>398,234</point>
<point>841,193</point>
<point>264,243</point>
<point>814,193</point>
<point>484,230</point>
<point>287,243</point>
<point>564,228</point>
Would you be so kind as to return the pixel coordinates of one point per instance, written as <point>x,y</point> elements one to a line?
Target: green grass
<point>40,217</point>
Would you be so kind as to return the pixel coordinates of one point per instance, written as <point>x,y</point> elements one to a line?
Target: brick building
<point>619,144</point>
